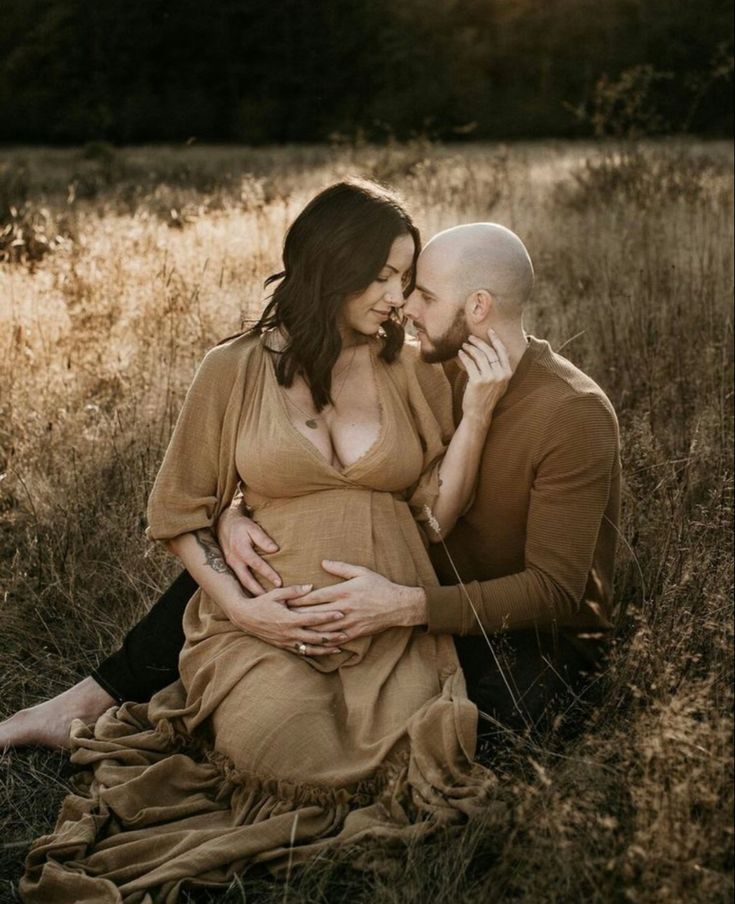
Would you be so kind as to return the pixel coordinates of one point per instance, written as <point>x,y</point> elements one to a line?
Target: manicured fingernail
<point>337,616</point>
<point>342,637</point>
<point>306,587</point>
<point>278,582</point>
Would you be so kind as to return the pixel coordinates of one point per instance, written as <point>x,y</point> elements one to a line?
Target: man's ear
<point>479,305</point>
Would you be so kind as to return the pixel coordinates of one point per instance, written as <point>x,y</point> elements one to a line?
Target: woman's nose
<point>394,298</point>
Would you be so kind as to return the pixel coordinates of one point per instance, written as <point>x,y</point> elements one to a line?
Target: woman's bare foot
<point>47,723</point>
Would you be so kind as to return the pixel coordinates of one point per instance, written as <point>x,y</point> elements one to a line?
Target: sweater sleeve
<point>185,493</point>
<point>574,466</point>
<point>430,400</point>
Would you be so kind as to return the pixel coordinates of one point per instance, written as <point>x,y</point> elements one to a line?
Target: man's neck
<point>513,336</point>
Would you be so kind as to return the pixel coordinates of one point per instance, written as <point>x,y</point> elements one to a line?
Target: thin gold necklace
<point>311,420</point>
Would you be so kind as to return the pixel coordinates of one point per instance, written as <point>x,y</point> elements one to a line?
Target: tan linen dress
<point>258,755</point>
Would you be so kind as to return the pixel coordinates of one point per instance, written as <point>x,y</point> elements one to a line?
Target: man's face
<point>437,313</point>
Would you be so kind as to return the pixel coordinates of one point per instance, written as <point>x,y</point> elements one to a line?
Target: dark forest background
<point>289,70</point>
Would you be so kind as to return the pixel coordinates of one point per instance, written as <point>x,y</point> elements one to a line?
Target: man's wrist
<point>414,606</point>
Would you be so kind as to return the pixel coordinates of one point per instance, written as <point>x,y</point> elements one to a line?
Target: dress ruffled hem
<point>299,793</point>
<point>158,810</point>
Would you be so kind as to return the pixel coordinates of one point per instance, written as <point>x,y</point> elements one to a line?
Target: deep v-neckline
<point>307,443</point>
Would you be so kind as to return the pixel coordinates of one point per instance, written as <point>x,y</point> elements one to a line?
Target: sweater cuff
<point>444,610</point>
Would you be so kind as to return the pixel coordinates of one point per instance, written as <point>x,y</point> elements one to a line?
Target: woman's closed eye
<point>405,278</point>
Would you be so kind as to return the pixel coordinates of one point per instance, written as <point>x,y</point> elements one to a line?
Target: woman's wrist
<point>477,420</point>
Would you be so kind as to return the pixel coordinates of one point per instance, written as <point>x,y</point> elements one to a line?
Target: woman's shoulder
<point>429,376</point>
<point>410,350</point>
<point>233,352</point>
<point>423,385</point>
<point>227,362</point>
<point>235,347</point>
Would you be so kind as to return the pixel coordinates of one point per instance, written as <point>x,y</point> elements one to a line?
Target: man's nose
<point>409,305</point>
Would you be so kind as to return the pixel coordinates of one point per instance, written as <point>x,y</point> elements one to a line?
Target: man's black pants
<point>525,682</point>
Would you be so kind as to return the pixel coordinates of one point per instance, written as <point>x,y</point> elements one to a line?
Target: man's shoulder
<point>571,409</point>
<point>561,384</point>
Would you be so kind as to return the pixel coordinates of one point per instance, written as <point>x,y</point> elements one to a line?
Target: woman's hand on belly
<point>370,603</point>
<point>239,538</point>
<point>269,618</point>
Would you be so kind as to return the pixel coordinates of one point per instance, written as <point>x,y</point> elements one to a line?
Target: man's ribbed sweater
<point>536,548</point>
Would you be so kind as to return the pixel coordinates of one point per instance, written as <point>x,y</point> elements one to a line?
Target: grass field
<point>120,267</point>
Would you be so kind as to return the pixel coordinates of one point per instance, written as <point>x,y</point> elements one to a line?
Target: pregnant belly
<point>362,527</point>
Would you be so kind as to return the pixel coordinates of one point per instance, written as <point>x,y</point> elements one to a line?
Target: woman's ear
<point>479,306</point>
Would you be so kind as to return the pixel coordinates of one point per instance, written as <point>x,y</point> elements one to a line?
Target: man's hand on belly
<point>240,538</point>
<point>369,602</point>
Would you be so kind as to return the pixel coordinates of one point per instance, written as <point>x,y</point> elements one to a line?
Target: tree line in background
<point>289,70</point>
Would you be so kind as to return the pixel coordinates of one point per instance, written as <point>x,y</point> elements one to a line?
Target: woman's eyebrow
<point>391,267</point>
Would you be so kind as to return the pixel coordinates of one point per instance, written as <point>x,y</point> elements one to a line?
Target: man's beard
<point>447,346</point>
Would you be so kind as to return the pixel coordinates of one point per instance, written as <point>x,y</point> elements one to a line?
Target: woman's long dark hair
<point>335,248</point>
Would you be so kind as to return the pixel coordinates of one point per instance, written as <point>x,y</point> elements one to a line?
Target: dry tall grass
<point>122,267</point>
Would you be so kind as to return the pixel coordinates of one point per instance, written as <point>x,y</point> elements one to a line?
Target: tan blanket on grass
<point>257,755</point>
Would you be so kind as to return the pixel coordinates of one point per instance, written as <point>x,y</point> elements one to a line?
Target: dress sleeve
<point>186,493</point>
<point>430,400</point>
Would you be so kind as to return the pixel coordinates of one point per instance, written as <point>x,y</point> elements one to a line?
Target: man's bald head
<point>483,256</point>
<point>470,280</point>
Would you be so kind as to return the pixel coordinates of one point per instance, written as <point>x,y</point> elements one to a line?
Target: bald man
<point>526,573</point>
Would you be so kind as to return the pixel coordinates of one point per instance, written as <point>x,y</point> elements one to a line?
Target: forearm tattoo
<point>213,556</point>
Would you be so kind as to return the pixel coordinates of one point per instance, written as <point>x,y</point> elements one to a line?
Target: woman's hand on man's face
<point>239,537</point>
<point>488,374</point>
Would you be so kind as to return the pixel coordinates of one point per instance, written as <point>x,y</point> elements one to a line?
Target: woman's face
<point>364,313</point>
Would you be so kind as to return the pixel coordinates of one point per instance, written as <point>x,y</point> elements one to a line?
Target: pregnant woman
<point>338,436</point>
